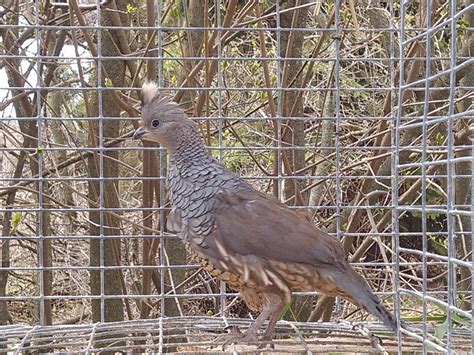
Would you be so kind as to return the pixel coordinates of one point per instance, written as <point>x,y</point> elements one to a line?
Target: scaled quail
<point>246,238</point>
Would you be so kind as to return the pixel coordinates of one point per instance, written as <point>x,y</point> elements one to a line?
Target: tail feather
<point>354,288</point>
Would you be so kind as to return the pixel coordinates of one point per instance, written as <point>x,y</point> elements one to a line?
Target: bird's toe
<point>236,336</point>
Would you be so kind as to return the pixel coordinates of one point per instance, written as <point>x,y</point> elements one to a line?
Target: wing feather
<point>251,223</point>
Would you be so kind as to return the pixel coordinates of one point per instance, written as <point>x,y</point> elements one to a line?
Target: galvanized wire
<point>206,335</point>
<point>202,334</point>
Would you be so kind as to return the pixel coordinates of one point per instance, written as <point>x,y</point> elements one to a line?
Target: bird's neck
<point>189,151</point>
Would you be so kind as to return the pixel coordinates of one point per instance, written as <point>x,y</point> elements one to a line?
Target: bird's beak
<point>139,132</point>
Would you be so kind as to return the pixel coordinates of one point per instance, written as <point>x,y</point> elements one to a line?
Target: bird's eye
<point>155,123</point>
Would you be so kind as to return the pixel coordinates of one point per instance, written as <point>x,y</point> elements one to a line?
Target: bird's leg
<point>274,316</point>
<point>250,335</point>
<point>272,306</point>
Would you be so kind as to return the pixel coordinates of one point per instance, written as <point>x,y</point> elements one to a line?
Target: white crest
<point>149,91</point>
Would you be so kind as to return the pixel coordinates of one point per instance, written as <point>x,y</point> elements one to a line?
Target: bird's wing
<point>247,222</point>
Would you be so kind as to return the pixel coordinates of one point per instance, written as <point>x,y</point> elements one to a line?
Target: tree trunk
<point>192,44</point>
<point>464,185</point>
<point>24,108</point>
<point>293,130</point>
<point>107,196</point>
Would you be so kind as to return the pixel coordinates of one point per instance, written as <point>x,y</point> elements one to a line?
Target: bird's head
<point>163,121</point>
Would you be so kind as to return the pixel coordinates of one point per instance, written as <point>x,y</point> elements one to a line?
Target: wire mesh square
<point>357,114</point>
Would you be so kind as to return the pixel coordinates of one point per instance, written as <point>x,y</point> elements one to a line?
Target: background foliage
<point>305,110</point>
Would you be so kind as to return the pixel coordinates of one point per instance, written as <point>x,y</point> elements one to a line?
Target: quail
<point>257,245</point>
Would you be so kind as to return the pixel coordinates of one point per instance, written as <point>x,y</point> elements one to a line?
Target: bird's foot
<point>235,336</point>
<point>266,342</point>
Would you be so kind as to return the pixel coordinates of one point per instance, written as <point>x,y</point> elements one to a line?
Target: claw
<point>265,344</point>
<point>236,336</point>
<point>267,341</point>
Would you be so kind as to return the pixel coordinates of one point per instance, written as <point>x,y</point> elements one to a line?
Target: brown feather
<point>252,223</point>
<point>250,240</point>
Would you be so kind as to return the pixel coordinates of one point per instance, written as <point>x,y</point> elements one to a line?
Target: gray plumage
<point>248,239</point>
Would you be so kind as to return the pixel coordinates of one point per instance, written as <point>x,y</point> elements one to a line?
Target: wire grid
<point>435,166</point>
<point>202,335</point>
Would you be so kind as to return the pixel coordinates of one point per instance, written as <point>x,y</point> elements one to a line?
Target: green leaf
<point>131,9</point>
<point>16,219</point>
<point>439,138</point>
<point>441,330</point>
<point>284,310</point>
<point>461,320</point>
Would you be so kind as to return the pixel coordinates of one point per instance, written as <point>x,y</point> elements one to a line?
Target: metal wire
<point>204,335</point>
<point>419,234</point>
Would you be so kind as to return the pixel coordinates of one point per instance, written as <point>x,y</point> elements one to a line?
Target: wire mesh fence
<point>357,113</point>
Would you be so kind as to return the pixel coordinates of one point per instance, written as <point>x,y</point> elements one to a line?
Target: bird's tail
<point>354,288</point>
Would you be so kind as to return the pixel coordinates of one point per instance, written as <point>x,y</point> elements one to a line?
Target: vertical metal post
<point>163,169</point>
<point>337,111</point>
<point>451,178</point>
<point>279,95</point>
<point>39,155</point>
<point>395,172</point>
<point>424,156</point>
<point>101,161</point>
<point>220,85</point>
